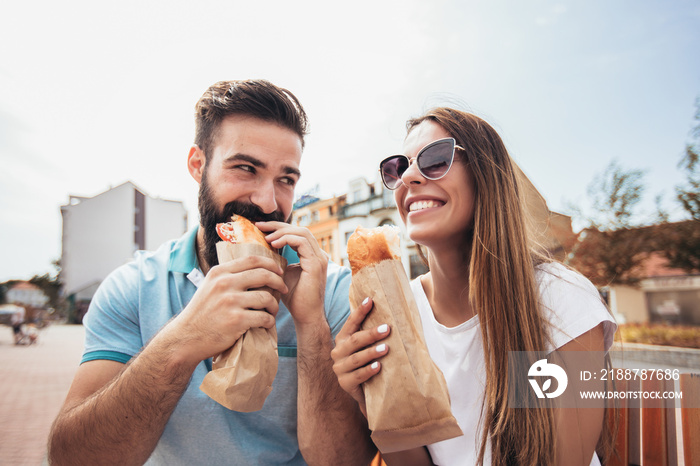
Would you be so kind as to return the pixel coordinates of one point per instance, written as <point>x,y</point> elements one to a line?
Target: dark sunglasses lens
<point>435,161</point>
<point>392,169</point>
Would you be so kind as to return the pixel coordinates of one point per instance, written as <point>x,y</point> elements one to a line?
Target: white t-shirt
<point>571,304</point>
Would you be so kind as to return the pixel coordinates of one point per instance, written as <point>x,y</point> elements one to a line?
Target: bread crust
<point>241,230</point>
<point>371,246</point>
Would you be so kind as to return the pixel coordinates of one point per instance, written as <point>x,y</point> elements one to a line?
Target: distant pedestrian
<point>17,321</point>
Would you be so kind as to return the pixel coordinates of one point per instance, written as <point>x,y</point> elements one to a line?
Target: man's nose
<point>264,198</point>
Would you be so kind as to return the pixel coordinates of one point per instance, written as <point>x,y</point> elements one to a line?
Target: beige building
<point>665,295</point>
<point>369,205</point>
<point>320,216</point>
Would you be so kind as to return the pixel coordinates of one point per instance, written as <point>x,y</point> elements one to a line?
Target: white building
<point>26,293</point>
<point>101,233</point>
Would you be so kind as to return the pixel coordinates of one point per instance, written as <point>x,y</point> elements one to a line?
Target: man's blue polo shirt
<point>136,300</point>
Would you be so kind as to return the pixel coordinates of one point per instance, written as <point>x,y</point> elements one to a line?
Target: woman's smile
<point>424,204</point>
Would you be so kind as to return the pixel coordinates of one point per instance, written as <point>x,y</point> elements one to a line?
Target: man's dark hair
<point>256,98</point>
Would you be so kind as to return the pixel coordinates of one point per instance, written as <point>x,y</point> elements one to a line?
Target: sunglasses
<point>433,161</point>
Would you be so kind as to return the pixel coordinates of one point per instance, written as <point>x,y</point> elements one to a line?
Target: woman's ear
<point>196,163</point>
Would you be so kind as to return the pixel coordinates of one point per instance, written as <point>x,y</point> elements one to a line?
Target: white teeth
<point>420,205</point>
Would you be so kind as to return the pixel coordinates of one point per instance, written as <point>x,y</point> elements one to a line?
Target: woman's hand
<point>356,354</point>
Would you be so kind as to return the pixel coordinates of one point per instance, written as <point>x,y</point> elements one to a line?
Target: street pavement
<point>34,381</point>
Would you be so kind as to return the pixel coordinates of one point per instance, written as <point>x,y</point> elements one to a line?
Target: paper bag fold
<point>241,377</point>
<point>408,404</point>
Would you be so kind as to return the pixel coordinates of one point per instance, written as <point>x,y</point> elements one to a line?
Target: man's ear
<point>196,163</point>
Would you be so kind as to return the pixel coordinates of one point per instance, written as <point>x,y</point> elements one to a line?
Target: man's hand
<point>225,306</point>
<point>306,281</point>
<point>330,427</point>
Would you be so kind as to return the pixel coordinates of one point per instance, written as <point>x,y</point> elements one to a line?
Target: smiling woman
<point>488,293</point>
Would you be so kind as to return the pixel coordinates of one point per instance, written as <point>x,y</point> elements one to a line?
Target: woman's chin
<point>421,234</point>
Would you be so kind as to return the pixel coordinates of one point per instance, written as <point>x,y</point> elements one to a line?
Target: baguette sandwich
<point>241,230</point>
<point>408,404</point>
<point>371,246</point>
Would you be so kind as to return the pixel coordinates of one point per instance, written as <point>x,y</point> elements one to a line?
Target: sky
<point>94,94</point>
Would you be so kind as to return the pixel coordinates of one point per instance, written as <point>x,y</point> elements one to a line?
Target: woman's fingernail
<point>374,365</point>
<point>380,348</point>
<point>364,303</point>
<point>383,328</point>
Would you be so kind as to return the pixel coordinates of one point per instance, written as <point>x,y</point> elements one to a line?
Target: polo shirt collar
<point>183,257</point>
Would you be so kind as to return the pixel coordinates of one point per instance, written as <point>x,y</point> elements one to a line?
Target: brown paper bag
<point>241,377</point>
<point>408,404</point>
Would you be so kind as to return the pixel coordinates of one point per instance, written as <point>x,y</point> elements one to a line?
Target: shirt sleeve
<point>337,301</point>
<point>572,306</point>
<point>111,323</point>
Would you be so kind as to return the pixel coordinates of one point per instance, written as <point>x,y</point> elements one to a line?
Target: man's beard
<point>210,216</point>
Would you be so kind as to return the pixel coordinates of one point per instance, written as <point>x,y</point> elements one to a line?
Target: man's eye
<point>289,180</point>
<point>247,168</point>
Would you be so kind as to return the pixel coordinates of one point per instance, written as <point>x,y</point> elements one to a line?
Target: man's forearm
<point>331,428</point>
<point>122,422</point>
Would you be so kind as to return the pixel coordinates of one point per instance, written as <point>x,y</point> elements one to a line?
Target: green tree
<point>3,292</point>
<point>4,288</point>
<point>681,246</point>
<point>51,286</point>
<point>689,194</point>
<point>615,194</point>
<point>611,249</point>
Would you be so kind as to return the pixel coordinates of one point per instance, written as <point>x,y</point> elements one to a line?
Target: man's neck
<point>199,247</point>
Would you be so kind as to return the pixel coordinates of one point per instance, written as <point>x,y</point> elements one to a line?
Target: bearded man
<point>155,323</point>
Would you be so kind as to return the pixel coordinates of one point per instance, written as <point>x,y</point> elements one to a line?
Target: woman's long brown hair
<point>503,292</point>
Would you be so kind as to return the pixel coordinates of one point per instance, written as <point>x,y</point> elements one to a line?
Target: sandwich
<point>241,230</point>
<point>241,377</point>
<point>371,246</point>
<point>408,404</point>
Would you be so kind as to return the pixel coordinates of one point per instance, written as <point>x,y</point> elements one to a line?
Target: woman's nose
<point>412,174</point>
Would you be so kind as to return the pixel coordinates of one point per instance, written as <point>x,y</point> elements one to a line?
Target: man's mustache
<point>249,211</point>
